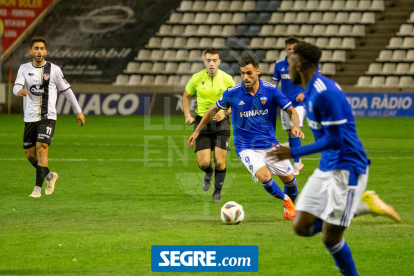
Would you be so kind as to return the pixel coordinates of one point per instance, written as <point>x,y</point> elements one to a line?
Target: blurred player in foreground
<point>38,82</point>
<point>209,84</point>
<point>254,110</point>
<point>332,195</point>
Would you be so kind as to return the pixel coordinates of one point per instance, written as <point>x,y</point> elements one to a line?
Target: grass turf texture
<point>127,183</point>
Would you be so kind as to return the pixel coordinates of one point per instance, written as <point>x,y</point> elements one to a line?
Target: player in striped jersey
<point>38,82</point>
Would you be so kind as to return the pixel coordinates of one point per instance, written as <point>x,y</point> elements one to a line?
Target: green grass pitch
<point>127,183</point>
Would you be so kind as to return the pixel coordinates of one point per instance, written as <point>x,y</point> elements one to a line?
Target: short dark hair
<point>291,40</point>
<point>37,39</point>
<point>249,59</point>
<point>211,51</point>
<point>309,54</point>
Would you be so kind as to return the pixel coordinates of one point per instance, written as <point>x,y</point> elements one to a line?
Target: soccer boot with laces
<point>51,184</point>
<point>36,192</point>
<point>378,207</point>
<point>290,208</point>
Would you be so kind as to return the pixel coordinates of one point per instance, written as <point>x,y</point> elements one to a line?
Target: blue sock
<point>343,258</point>
<point>272,188</point>
<point>291,189</point>
<point>316,228</point>
<point>293,143</point>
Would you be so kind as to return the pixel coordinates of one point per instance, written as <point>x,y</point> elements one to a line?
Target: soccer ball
<point>232,213</point>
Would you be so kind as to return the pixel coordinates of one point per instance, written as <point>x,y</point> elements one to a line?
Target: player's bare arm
<point>294,117</point>
<point>221,115</point>
<point>211,112</point>
<point>189,120</point>
<point>300,97</point>
<point>275,82</point>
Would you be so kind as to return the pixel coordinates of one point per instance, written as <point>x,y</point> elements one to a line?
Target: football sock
<point>219,179</point>
<point>293,143</point>
<point>291,189</point>
<point>34,165</point>
<point>271,187</point>
<point>41,173</point>
<point>343,258</point>
<point>209,172</point>
<point>49,176</point>
<point>316,228</point>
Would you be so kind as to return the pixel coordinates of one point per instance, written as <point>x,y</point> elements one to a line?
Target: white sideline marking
<point>168,159</point>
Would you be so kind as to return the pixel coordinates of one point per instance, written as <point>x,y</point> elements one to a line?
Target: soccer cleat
<point>298,167</point>
<point>378,207</point>
<point>286,214</point>
<point>206,184</point>
<point>217,196</point>
<point>290,207</point>
<point>51,184</point>
<point>35,193</point>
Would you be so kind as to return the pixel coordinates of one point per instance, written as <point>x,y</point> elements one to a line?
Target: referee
<point>209,84</point>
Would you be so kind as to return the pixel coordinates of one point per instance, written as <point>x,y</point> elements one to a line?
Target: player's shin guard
<point>293,143</point>
<point>272,188</point>
<point>343,258</point>
<point>291,189</point>
<point>219,177</point>
<point>41,173</point>
<point>209,172</point>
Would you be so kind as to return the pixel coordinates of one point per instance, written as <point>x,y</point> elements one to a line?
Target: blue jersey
<point>330,118</point>
<point>254,117</point>
<point>291,90</point>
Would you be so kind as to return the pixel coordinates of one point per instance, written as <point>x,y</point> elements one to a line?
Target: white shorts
<point>333,196</point>
<point>286,123</point>
<point>255,159</point>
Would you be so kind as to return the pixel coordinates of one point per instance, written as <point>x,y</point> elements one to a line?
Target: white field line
<point>164,146</point>
<point>168,159</point>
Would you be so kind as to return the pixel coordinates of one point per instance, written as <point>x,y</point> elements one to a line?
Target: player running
<point>254,106</point>
<point>331,196</point>
<point>38,82</point>
<point>209,84</point>
<point>295,94</point>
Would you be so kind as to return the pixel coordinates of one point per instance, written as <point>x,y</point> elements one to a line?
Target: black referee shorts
<point>41,131</point>
<point>214,139</point>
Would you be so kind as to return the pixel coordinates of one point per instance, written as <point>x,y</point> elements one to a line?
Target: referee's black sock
<point>219,177</point>
<point>41,173</point>
<point>34,165</point>
<point>209,172</point>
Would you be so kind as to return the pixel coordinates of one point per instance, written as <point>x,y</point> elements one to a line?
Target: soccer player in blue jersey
<point>332,195</point>
<point>295,94</point>
<point>254,107</point>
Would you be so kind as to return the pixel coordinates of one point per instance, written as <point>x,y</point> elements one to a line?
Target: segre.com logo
<point>205,258</point>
